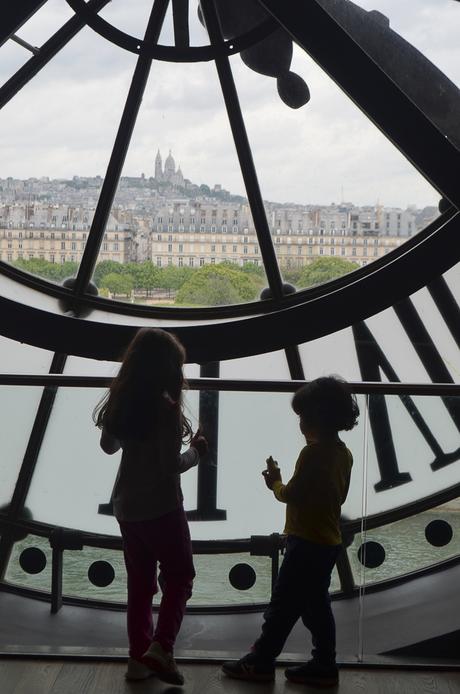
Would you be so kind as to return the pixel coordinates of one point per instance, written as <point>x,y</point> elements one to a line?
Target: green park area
<point>211,285</point>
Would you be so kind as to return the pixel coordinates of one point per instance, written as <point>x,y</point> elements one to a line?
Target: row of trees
<point>210,285</point>
<point>319,271</point>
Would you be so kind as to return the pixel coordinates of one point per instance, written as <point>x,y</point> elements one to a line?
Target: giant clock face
<point>393,320</point>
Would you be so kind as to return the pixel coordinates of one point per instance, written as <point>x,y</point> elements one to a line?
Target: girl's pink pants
<point>163,541</point>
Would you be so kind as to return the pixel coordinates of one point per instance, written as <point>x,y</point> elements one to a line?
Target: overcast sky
<point>64,122</point>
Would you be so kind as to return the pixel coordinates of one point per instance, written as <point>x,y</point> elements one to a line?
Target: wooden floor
<point>22,676</point>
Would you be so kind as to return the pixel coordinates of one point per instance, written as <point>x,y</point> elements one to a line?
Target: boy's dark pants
<point>301,590</point>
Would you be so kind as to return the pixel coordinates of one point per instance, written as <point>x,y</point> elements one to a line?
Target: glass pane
<point>330,210</point>
<point>180,232</point>
<point>272,365</point>
<point>38,29</point>
<point>332,354</point>
<point>167,32</point>
<point>452,278</point>
<point>415,44</point>
<point>19,358</point>
<point>14,290</point>
<point>404,443</point>
<point>240,485</point>
<point>189,481</point>
<point>76,582</point>
<point>16,575</point>
<point>392,345</point>
<point>161,321</point>
<point>192,371</point>
<point>13,57</point>
<point>198,34</point>
<point>55,153</point>
<point>49,18</point>
<point>415,456</point>
<point>387,205</point>
<point>59,492</point>
<point>402,355</point>
<point>211,585</point>
<point>131,19</point>
<point>15,431</point>
<point>418,610</point>
<point>69,458</point>
<point>79,366</point>
<point>268,426</point>
<point>406,546</point>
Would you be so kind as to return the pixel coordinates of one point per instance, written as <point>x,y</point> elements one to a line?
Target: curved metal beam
<point>189,54</point>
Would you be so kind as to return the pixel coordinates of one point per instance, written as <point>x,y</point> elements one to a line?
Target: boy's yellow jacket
<point>316,492</point>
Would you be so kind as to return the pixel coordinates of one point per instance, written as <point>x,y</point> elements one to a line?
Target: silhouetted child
<point>143,414</point>
<point>313,496</point>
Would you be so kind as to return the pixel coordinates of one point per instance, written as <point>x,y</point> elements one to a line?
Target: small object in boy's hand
<point>272,465</point>
<point>271,473</point>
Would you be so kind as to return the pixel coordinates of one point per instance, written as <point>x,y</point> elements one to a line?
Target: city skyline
<point>215,187</point>
<point>171,221</point>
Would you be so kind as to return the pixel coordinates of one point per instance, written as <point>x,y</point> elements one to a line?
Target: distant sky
<point>64,122</point>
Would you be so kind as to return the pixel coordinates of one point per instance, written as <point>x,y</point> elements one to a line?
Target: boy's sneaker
<point>250,667</point>
<point>314,673</point>
<point>137,670</point>
<point>163,664</point>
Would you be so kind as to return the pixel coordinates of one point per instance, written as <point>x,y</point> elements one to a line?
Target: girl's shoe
<point>250,668</point>
<point>137,670</point>
<point>163,664</point>
<point>314,673</point>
